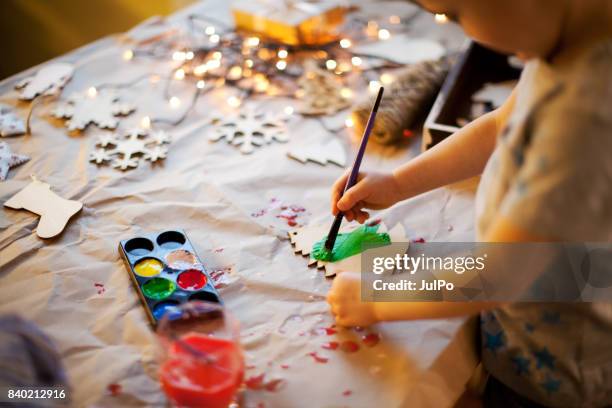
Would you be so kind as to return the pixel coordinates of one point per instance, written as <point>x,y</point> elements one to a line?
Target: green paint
<point>158,288</point>
<point>350,244</point>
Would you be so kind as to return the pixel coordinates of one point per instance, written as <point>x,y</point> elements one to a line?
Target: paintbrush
<point>350,182</point>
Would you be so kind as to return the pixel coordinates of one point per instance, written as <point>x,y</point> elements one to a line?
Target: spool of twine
<point>406,100</point>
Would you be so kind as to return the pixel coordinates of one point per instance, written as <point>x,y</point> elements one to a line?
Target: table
<point>211,190</point>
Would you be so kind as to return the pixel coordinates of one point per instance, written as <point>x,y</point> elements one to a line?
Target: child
<point>546,162</point>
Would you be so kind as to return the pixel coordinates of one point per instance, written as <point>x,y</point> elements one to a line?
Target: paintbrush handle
<point>352,179</point>
<point>364,142</point>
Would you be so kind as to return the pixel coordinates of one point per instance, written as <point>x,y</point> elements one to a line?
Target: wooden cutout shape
<point>101,109</point>
<point>8,159</point>
<point>249,130</point>
<point>304,238</point>
<point>49,80</point>
<point>330,152</point>
<point>54,211</point>
<point>10,124</point>
<point>320,92</point>
<point>127,152</point>
<point>402,49</point>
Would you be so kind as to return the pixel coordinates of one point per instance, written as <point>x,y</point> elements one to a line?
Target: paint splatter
<point>114,389</point>
<point>320,331</point>
<point>100,288</point>
<point>219,276</point>
<point>332,345</point>
<point>371,339</point>
<point>349,346</point>
<point>258,383</point>
<point>285,366</point>
<point>255,383</point>
<point>419,241</point>
<point>347,393</point>
<point>350,244</point>
<point>288,213</point>
<point>318,358</point>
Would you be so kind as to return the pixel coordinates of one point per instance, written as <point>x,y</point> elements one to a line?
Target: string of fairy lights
<point>211,54</point>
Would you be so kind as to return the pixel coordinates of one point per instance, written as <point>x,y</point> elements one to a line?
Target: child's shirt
<point>551,174</point>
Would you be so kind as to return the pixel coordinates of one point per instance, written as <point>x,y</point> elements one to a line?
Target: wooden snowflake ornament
<point>330,152</point>
<point>249,130</point>
<point>304,238</point>
<point>10,124</point>
<point>49,80</point>
<point>126,152</point>
<point>97,107</point>
<point>8,159</point>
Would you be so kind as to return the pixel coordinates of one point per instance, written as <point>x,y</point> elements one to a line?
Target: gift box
<point>292,22</point>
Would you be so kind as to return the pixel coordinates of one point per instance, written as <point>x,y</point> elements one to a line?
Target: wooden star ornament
<point>8,159</point>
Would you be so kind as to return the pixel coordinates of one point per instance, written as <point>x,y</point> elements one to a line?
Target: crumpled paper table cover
<point>211,191</point>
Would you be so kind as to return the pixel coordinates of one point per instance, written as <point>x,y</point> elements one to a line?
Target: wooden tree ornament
<point>304,238</point>
<point>54,211</point>
<point>331,152</point>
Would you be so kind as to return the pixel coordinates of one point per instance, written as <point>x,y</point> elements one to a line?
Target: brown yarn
<point>405,101</point>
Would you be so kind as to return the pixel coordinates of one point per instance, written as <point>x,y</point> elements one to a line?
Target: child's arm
<point>461,156</point>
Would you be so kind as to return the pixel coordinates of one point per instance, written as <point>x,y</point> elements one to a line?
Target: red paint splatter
<point>259,383</point>
<point>332,345</point>
<point>255,383</point>
<point>285,366</point>
<point>349,346</point>
<point>219,276</point>
<point>371,339</point>
<point>114,389</point>
<point>329,331</point>
<point>100,288</point>
<point>274,385</point>
<point>318,358</point>
<point>419,241</point>
<point>407,133</point>
<point>347,393</point>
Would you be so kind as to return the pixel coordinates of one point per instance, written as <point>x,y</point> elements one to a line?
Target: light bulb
<point>128,55</point>
<point>384,34</point>
<point>175,102</point>
<point>179,74</point>
<point>345,43</point>
<point>331,64</point>
<point>92,92</point>
<point>441,18</point>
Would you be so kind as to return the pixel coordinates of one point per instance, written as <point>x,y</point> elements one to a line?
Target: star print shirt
<point>551,174</point>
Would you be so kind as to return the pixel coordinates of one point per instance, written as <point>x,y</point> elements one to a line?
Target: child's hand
<point>372,190</point>
<point>344,298</point>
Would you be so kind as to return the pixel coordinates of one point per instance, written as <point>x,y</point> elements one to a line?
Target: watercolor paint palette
<point>166,271</point>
